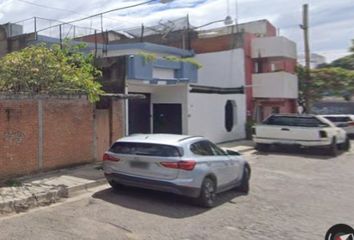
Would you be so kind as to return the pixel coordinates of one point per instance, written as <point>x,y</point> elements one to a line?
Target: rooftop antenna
<point>236,15</point>
<point>228,19</point>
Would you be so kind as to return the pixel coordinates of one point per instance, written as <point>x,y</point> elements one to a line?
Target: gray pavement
<point>295,194</point>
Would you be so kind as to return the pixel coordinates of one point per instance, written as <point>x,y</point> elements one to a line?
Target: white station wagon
<point>186,165</point>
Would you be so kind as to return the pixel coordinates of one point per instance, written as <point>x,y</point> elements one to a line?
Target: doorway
<point>139,115</point>
<point>167,118</point>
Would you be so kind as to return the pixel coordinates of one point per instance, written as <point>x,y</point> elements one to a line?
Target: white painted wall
<point>275,85</point>
<point>206,116</point>
<point>163,73</point>
<point>273,47</point>
<point>222,69</point>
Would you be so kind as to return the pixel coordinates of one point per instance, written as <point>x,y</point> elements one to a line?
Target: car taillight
<point>108,157</point>
<point>187,165</point>
<point>351,123</point>
<point>323,134</point>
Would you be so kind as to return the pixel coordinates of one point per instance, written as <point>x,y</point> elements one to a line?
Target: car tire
<point>346,145</point>
<point>262,147</point>
<point>245,182</point>
<point>207,195</point>
<point>333,148</point>
<point>115,186</point>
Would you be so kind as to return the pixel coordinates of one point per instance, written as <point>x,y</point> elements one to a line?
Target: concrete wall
<point>206,116</point>
<point>222,69</point>
<point>275,85</point>
<point>42,133</point>
<point>273,47</point>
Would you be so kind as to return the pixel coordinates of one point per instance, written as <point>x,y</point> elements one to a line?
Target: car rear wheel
<point>115,186</point>
<point>245,186</point>
<point>207,195</point>
<point>262,147</point>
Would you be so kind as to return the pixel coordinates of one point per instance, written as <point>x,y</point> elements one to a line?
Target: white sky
<point>331,21</point>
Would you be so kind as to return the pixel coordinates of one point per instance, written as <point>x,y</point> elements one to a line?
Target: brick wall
<point>38,133</point>
<point>18,137</point>
<point>68,132</point>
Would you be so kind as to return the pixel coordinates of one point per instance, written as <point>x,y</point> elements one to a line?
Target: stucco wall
<point>206,116</point>
<point>222,69</point>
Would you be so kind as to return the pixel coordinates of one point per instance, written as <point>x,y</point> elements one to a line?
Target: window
<point>295,121</point>
<point>230,115</point>
<point>339,119</point>
<point>146,149</point>
<point>206,148</point>
<point>201,148</point>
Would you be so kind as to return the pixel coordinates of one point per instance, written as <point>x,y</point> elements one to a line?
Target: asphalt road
<point>294,195</point>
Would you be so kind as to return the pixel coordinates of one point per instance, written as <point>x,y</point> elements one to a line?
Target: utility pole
<point>307,80</point>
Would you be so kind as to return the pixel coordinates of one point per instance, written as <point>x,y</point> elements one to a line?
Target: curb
<point>247,150</point>
<point>40,199</point>
<point>76,190</point>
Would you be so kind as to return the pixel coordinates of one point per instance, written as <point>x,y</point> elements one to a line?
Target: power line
<point>101,13</point>
<point>48,7</point>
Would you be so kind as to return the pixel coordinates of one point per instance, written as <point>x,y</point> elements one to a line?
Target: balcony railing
<point>161,70</point>
<point>266,47</point>
<point>275,85</point>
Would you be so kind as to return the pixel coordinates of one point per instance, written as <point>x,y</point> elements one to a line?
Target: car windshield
<point>147,149</point>
<point>295,121</point>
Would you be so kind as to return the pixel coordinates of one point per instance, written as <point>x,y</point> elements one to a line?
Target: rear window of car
<point>146,149</point>
<point>295,121</point>
<point>339,119</point>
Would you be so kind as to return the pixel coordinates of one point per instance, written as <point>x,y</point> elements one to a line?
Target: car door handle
<point>285,129</point>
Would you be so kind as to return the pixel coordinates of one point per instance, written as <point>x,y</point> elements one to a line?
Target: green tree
<point>346,62</point>
<point>39,69</point>
<point>326,81</point>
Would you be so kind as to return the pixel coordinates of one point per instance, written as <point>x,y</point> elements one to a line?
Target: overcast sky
<point>331,21</point>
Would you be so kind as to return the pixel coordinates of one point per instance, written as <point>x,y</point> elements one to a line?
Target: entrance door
<point>168,118</point>
<point>139,115</point>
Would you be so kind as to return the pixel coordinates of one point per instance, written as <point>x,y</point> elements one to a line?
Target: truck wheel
<point>333,148</point>
<point>262,147</point>
<point>207,193</point>
<point>346,145</point>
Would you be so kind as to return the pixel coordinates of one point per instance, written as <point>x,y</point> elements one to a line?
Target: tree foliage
<point>39,69</point>
<point>326,81</point>
<point>334,79</point>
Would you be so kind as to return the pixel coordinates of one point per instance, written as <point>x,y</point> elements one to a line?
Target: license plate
<point>136,164</point>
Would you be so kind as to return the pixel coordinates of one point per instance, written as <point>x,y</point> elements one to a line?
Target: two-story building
<point>269,64</point>
<point>179,96</point>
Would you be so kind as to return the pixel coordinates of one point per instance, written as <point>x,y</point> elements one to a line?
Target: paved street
<point>293,196</point>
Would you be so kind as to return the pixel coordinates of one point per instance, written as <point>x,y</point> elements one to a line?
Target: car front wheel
<point>245,185</point>
<point>207,195</point>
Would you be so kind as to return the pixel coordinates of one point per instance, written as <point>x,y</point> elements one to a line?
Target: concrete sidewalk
<point>47,188</point>
<point>241,146</point>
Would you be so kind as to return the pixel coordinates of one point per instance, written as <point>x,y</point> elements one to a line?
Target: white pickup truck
<point>300,130</point>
